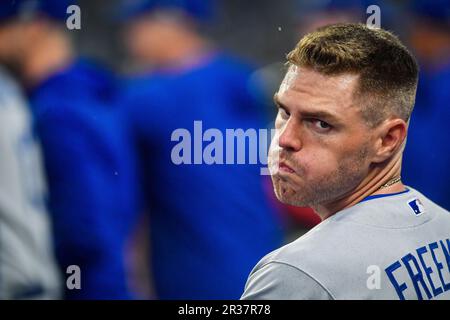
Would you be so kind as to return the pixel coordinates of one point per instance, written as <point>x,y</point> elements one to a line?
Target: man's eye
<point>320,125</point>
<point>284,113</point>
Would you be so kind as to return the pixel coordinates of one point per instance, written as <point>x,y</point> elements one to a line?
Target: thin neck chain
<point>391,182</point>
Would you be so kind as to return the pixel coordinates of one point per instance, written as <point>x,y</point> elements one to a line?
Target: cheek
<point>318,162</point>
<point>327,154</point>
<point>329,162</point>
<point>274,149</point>
<point>274,154</point>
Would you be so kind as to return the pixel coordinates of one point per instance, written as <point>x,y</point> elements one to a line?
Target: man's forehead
<point>305,79</point>
<point>288,80</point>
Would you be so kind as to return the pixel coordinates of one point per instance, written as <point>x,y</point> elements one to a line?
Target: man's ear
<point>391,135</point>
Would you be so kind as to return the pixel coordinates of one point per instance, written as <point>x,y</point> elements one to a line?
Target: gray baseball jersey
<point>393,246</point>
<point>27,266</point>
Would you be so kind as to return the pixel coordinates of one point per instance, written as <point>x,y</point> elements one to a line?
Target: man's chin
<point>290,197</point>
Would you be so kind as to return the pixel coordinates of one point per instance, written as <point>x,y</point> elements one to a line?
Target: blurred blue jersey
<point>427,157</point>
<point>209,224</point>
<point>91,177</point>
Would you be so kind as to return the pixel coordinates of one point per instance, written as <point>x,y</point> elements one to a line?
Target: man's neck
<point>376,182</point>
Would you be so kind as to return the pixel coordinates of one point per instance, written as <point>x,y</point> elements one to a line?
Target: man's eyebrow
<point>319,114</point>
<point>277,102</point>
<point>322,115</point>
<point>275,99</point>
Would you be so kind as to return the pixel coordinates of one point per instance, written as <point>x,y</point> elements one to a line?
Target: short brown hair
<point>388,72</point>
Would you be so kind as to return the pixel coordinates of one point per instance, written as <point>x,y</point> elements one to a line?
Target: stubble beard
<point>325,189</point>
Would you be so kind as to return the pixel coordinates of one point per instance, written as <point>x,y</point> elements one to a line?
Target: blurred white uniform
<point>27,265</point>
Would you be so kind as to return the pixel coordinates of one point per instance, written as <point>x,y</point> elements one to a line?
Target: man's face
<point>148,37</point>
<point>322,148</point>
<point>10,35</point>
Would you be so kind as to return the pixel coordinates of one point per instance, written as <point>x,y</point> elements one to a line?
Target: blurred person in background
<point>87,158</point>
<point>27,265</point>
<point>429,133</point>
<point>208,223</point>
<point>311,15</point>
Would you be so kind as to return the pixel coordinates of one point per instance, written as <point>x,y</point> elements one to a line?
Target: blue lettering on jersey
<point>416,277</point>
<point>433,246</point>
<point>420,266</point>
<point>428,271</point>
<point>399,288</point>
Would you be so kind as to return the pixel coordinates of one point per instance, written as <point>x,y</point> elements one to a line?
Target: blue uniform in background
<point>91,177</point>
<point>427,157</point>
<point>209,223</point>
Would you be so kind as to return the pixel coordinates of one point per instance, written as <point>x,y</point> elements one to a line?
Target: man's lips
<point>285,168</point>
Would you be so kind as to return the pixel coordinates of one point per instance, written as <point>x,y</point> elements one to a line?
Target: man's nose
<point>290,136</point>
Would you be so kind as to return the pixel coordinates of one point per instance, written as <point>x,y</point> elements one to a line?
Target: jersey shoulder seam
<point>304,272</point>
